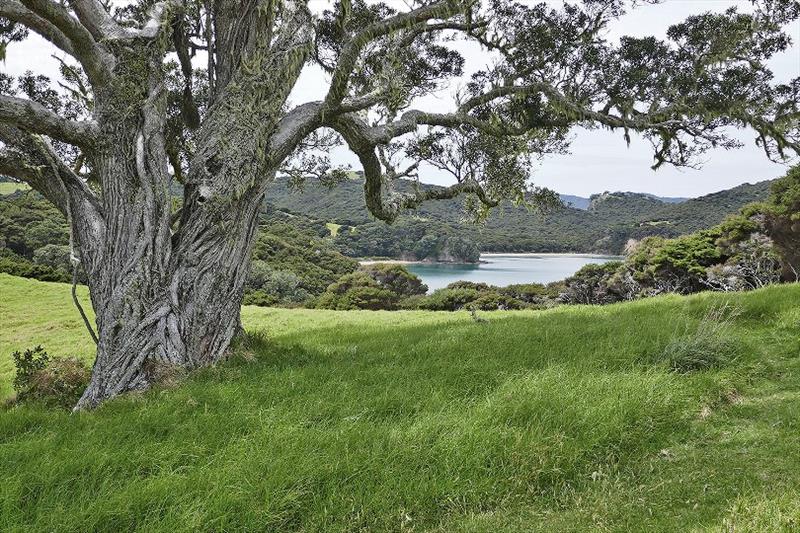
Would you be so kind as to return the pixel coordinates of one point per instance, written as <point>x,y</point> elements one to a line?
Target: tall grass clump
<point>710,345</point>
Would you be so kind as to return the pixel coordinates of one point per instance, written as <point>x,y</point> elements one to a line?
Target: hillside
<point>580,202</point>
<point>607,223</point>
<point>369,421</point>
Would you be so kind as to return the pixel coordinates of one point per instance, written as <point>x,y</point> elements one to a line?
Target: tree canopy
<point>552,69</point>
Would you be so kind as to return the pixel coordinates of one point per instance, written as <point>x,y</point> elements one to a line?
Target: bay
<point>506,269</point>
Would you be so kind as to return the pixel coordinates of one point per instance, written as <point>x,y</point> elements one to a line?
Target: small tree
<point>140,114</point>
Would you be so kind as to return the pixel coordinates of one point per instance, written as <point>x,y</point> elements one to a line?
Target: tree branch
<point>352,50</point>
<point>356,133</point>
<point>16,12</point>
<point>31,159</point>
<point>36,118</point>
<point>98,21</point>
<point>95,60</point>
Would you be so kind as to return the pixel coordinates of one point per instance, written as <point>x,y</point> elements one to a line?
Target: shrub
<point>378,286</point>
<point>260,298</point>
<point>532,293</point>
<point>450,299</point>
<point>710,346</point>
<point>493,301</point>
<point>592,284</point>
<point>371,298</point>
<point>357,291</point>
<point>396,278</point>
<point>268,286</point>
<point>53,381</point>
<point>27,364</point>
<point>16,265</point>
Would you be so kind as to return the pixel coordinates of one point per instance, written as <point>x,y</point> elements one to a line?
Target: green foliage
<point>396,278</point>
<point>373,287</point>
<point>28,222</point>
<point>361,421</point>
<point>681,261</point>
<point>533,293</point>
<point>593,284</point>
<point>294,246</point>
<point>484,297</point>
<point>279,286</point>
<point>57,381</point>
<point>782,221</point>
<point>450,299</point>
<point>11,263</point>
<point>27,364</point>
<point>612,221</point>
<point>357,290</point>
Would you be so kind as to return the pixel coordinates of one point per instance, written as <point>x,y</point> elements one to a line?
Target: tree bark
<point>175,307</point>
<point>164,298</point>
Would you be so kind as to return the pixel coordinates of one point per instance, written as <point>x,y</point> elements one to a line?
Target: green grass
<point>10,187</point>
<point>416,421</point>
<point>333,227</point>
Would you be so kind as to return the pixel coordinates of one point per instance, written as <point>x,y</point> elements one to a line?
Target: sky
<point>598,161</point>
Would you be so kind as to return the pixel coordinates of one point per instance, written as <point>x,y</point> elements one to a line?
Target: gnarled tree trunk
<point>167,292</point>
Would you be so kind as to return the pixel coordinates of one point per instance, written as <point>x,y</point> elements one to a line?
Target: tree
<point>137,114</point>
<point>782,221</point>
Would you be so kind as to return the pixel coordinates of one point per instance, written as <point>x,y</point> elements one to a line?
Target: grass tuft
<point>711,345</point>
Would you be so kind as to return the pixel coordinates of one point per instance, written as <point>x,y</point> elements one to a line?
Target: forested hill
<point>605,224</point>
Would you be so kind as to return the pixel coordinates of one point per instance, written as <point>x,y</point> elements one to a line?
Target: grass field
<point>415,421</point>
<point>333,228</point>
<point>10,187</point>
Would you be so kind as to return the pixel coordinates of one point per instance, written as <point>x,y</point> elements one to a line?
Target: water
<point>504,270</point>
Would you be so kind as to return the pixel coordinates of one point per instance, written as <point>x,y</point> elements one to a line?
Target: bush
<point>16,265</point>
<point>357,291</point>
<point>532,293</point>
<point>710,346</point>
<point>593,284</point>
<point>27,364</point>
<point>378,286</point>
<point>370,298</point>
<point>484,297</point>
<point>268,286</point>
<point>396,278</point>
<point>450,299</point>
<point>493,301</point>
<point>53,381</point>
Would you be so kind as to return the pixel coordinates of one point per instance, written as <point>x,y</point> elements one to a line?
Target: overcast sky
<point>598,161</point>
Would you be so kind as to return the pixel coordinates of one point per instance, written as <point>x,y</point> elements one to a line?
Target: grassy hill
<point>416,421</point>
<point>605,226</point>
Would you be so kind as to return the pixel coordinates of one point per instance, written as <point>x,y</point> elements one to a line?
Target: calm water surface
<point>504,270</point>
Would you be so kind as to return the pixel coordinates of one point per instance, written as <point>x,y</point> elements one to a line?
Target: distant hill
<point>579,202</point>
<point>601,224</point>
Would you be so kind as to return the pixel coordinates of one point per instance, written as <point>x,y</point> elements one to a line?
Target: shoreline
<point>548,254</point>
<point>395,262</point>
<point>489,255</point>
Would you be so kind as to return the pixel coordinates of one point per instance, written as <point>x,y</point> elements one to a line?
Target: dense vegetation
<point>298,261</point>
<point>293,260</point>
<point>572,419</point>
<point>34,238</point>
<point>749,250</point>
<point>611,220</point>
